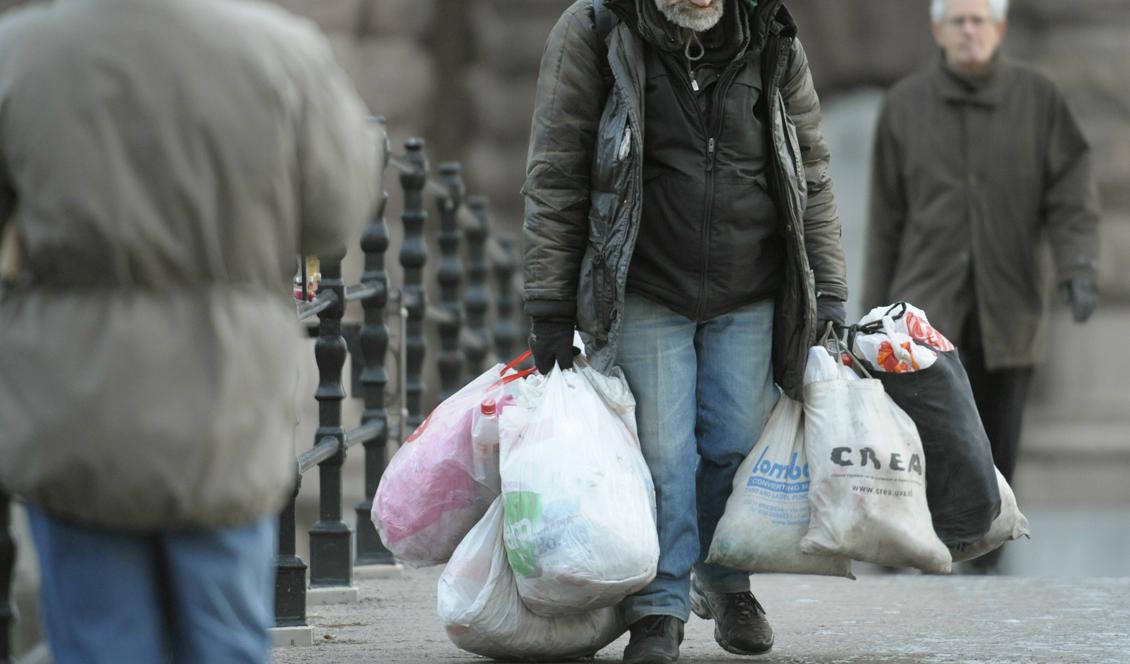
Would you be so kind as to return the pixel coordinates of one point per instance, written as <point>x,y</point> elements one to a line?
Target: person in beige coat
<point>165,162</point>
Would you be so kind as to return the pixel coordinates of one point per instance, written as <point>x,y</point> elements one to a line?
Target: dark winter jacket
<point>971,181</point>
<point>709,241</point>
<point>584,188</point>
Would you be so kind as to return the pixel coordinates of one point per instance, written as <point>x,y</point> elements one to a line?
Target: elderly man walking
<point>679,213</point>
<point>978,165</point>
<point>166,161</point>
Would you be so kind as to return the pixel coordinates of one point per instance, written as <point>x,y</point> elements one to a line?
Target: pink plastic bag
<point>439,483</point>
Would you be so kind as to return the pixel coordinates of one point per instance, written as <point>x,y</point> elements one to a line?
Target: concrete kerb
<point>336,595</point>
<point>893,619</point>
<point>369,572</point>
<point>303,637</point>
<point>292,637</point>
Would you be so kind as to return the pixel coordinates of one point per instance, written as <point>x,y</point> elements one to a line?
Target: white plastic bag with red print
<point>443,478</point>
<point>908,341</point>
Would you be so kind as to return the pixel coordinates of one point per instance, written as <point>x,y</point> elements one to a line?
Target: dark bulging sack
<point>961,484</point>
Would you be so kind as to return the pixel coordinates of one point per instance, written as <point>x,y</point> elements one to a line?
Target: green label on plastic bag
<point>522,517</point>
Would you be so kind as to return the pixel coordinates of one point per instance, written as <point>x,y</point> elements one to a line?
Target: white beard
<point>685,15</point>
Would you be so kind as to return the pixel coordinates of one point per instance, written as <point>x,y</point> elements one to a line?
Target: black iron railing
<point>463,351</point>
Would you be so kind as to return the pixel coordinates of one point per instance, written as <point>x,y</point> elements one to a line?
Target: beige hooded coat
<point>166,161</point>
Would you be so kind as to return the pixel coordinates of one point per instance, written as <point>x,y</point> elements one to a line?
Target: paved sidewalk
<point>882,619</point>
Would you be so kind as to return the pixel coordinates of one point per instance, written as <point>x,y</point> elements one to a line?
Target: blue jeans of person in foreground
<point>192,596</point>
<point>703,393</point>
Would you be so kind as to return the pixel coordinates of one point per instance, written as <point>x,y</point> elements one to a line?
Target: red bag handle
<point>510,367</point>
<point>516,361</point>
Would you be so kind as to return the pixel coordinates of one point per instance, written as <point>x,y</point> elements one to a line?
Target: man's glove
<point>829,310</point>
<point>551,340</point>
<point>1082,295</point>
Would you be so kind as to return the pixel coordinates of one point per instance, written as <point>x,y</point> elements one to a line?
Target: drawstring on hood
<point>693,56</point>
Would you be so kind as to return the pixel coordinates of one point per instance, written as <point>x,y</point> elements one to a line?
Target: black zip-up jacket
<point>584,182</point>
<point>708,240</point>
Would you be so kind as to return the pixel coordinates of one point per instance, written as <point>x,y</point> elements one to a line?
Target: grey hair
<point>998,9</point>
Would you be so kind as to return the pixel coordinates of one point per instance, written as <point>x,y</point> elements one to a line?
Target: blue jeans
<point>703,392</point>
<point>203,596</point>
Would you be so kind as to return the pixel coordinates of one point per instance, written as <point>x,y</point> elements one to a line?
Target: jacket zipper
<point>709,204</point>
<point>723,87</point>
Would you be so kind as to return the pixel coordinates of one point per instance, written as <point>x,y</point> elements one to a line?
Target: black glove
<point>829,310</point>
<point>1082,295</point>
<point>551,340</point>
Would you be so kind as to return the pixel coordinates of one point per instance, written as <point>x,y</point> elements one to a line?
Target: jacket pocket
<point>602,208</point>
<point>614,144</point>
<point>792,156</point>
<point>748,83</point>
<point>594,302</point>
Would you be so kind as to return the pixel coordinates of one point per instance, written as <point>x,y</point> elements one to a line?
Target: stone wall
<point>461,73</point>
<point>1083,46</point>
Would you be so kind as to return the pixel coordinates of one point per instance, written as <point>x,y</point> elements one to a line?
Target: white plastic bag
<point>439,483</point>
<point>909,320</point>
<point>822,366</point>
<point>767,513</point>
<point>577,493</point>
<point>482,613</point>
<point>868,493</point>
<point>485,436</point>
<point>1010,524</point>
<point>893,352</point>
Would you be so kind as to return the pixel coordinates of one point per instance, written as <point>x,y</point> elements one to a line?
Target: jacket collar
<point>770,17</point>
<point>984,90</point>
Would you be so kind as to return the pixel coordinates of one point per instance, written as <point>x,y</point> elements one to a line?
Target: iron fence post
<point>7,567</point>
<point>505,329</point>
<point>330,550</point>
<point>374,378</point>
<point>477,296</point>
<point>413,256</point>
<point>290,570</point>
<point>450,276</point>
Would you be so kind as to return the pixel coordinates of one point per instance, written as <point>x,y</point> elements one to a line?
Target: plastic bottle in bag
<point>484,441</point>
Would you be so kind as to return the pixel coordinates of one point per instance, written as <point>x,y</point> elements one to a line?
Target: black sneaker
<point>740,626</point>
<point>654,640</point>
